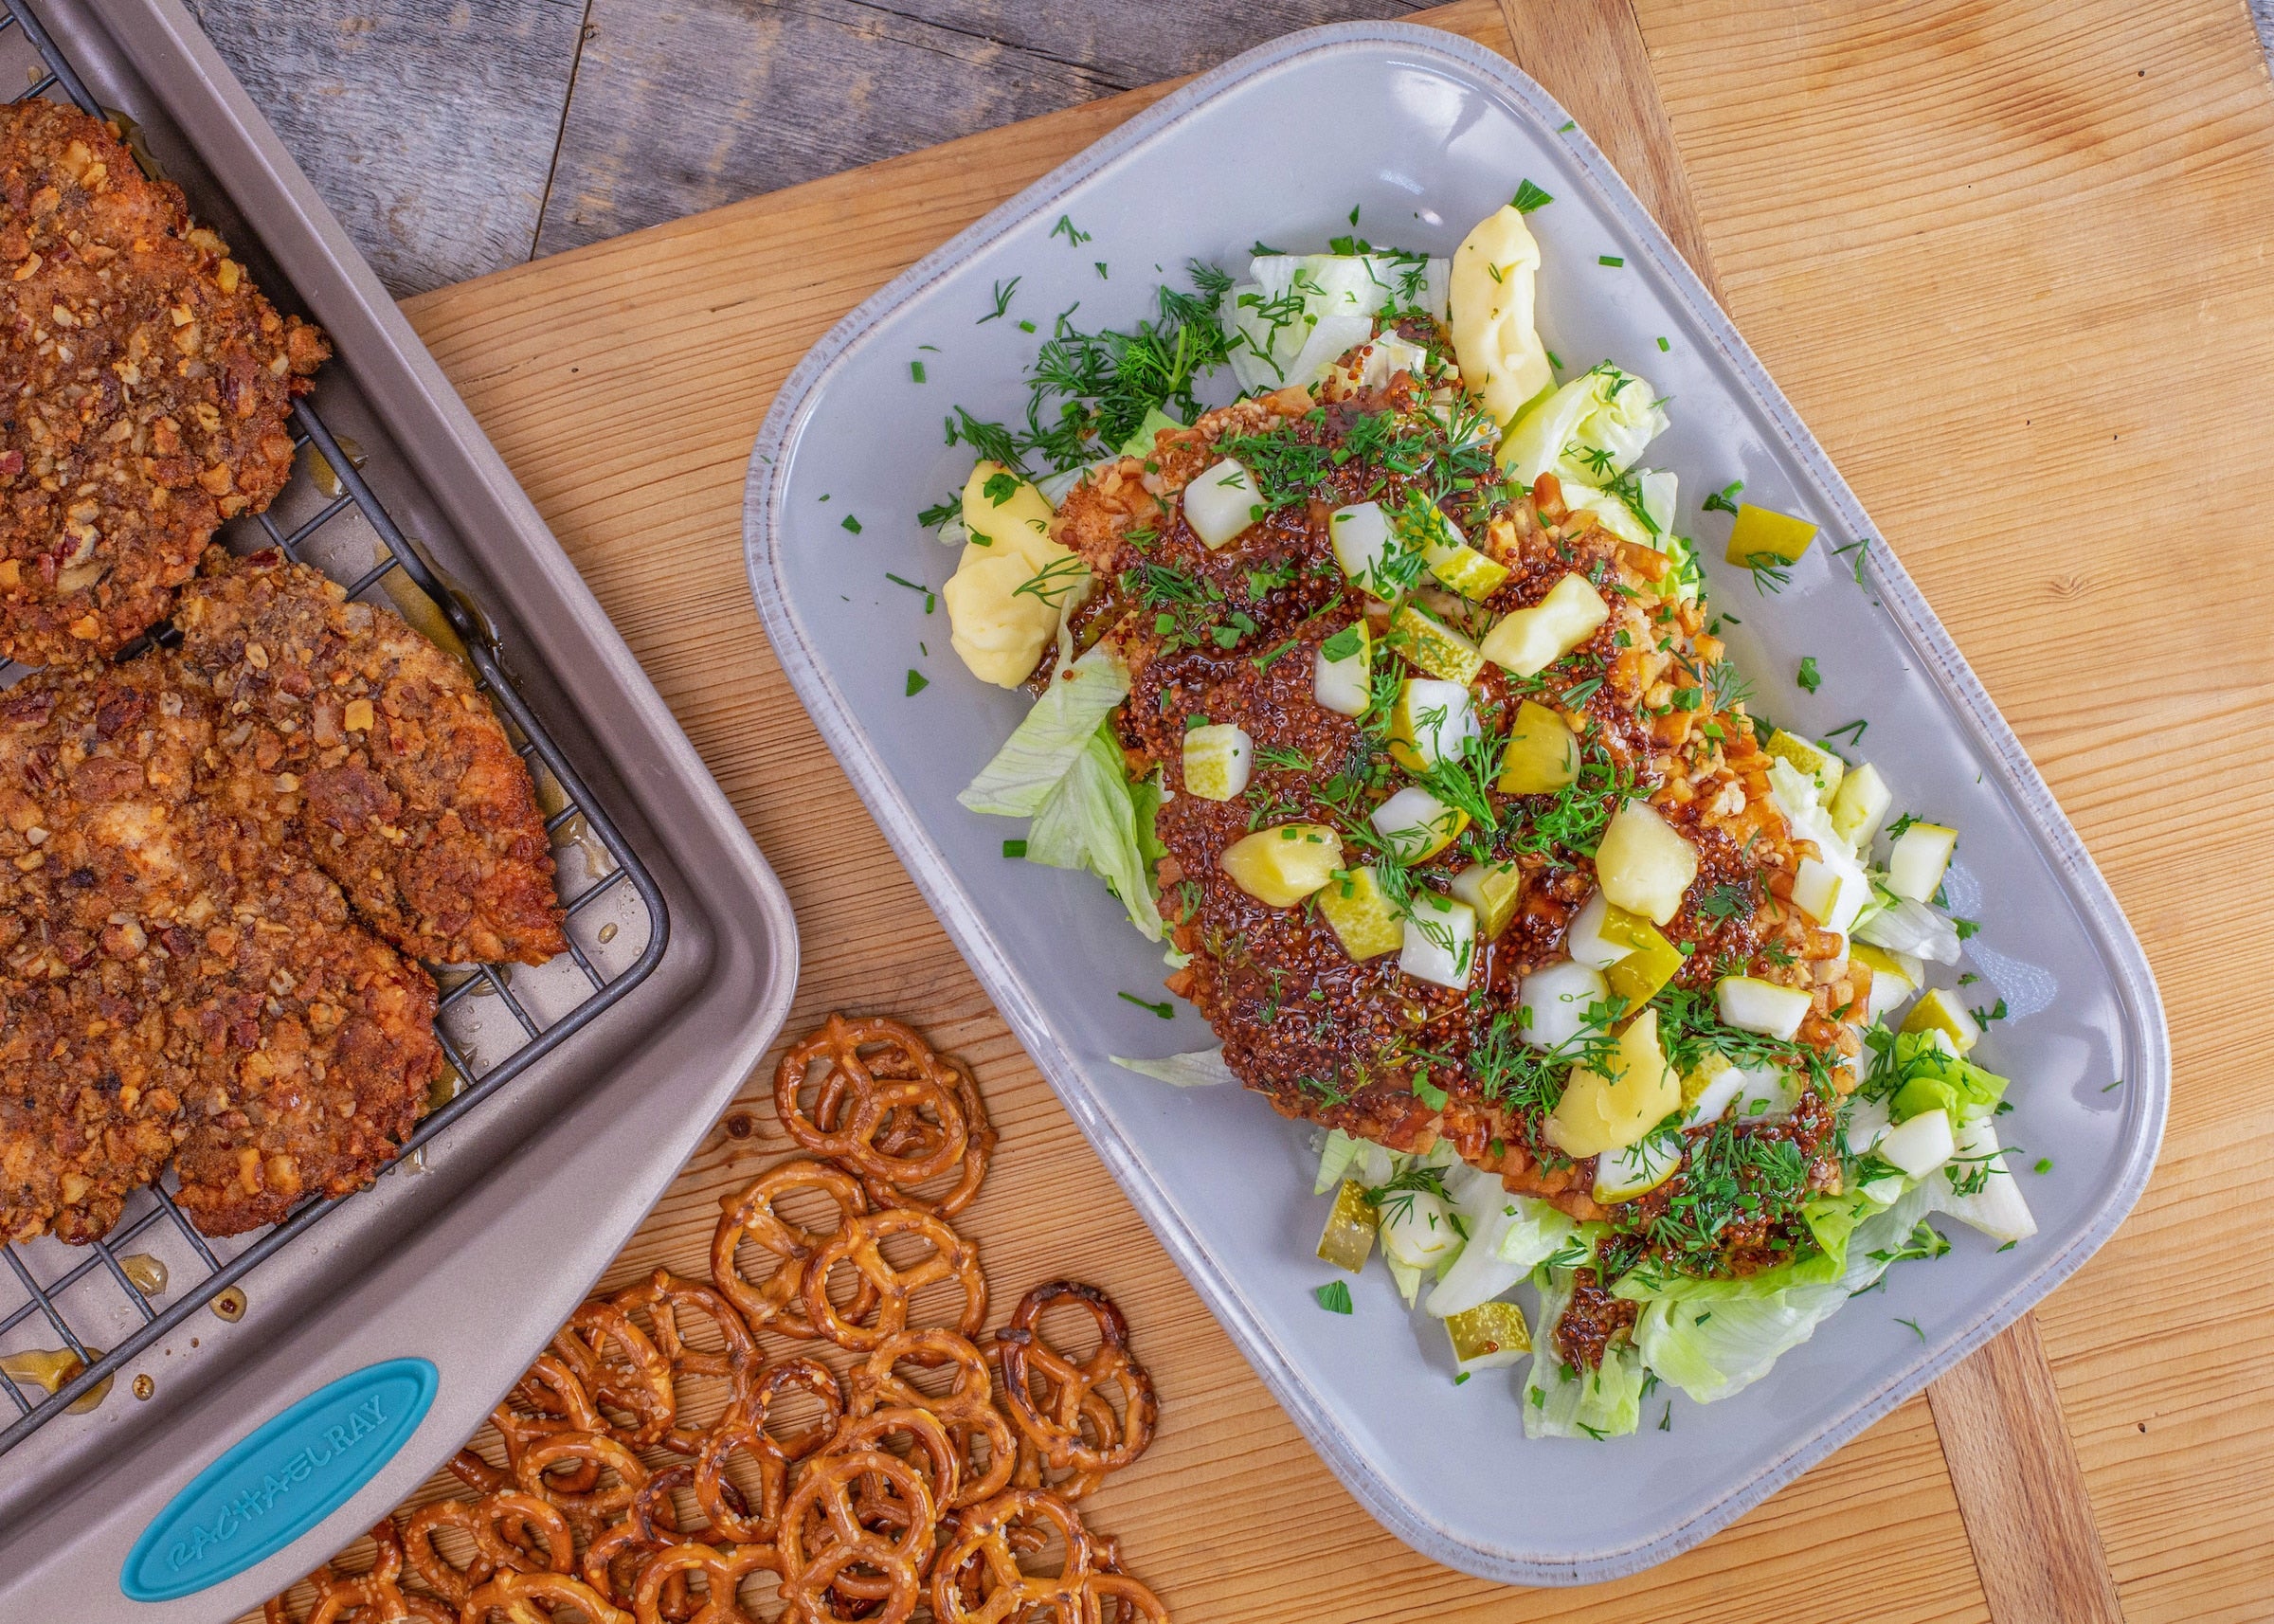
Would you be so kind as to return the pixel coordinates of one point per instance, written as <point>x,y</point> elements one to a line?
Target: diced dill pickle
<point>1487,1330</point>
<point>1543,753</point>
<point>1651,965</point>
<point>1348,1237</point>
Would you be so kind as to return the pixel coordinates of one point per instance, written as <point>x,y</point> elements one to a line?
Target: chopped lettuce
<point>1711,1347</point>
<point>1561,1402</point>
<point>1202,1069</point>
<point>1918,1073</point>
<point>1140,442</point>
<point>1507,1235</point>
<point>1299,313</point>
<point>1346,1156</point>
<point>1047,742</point>
<point>1907,927</point>
<point>1587,433</point>
<point>1088,820</point>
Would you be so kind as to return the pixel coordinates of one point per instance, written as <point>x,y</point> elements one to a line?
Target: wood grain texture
<point>2034,1542</point>
<point>1591,56</point>
<point>580,368</point>
<point>427,125</point>
<point>1952,232</point>
<point>695,103</point>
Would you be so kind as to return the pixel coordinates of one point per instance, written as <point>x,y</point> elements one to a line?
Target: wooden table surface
<point>2010,266</point>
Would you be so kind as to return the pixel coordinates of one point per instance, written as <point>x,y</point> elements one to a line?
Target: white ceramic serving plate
<point>1427,134</point>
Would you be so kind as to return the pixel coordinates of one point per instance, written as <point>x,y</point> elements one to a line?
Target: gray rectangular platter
<point>474,1251</point>
<point>1428,133</point>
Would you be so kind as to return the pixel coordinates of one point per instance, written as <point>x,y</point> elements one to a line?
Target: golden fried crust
<point>149,384</point>
<point>90,1105</point>
<point>307,1089</point>
<point>172,970</point>
<point>349,727</point>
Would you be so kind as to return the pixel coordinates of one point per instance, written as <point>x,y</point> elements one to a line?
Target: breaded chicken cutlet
<point>147,384</point>
<point>173,977</point>
<point>183,975</point>
<point>352,730</point>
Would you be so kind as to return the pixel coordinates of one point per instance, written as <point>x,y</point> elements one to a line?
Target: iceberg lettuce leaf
<point>1711,1347</point>
<point>1201,1068</point>
<point>1051,737</point>
<point>1088,820</point>
<point>1562,1401</point>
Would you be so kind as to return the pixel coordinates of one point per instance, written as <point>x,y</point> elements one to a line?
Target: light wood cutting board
<point>2010,263</point>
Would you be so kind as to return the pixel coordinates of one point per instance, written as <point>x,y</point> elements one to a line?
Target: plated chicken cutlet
<point>148,385</point>
<point>1388,697</point>
<point>184,976</point>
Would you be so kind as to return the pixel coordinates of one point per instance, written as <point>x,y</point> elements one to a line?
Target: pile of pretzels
<point>922,1473</point>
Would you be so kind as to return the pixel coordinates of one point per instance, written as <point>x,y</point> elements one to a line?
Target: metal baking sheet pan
<point>1426,135</point>
<point>469,1254</point>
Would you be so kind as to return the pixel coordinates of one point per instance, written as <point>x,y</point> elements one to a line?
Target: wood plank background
<point>458,137</point>
<point>2031,325</point>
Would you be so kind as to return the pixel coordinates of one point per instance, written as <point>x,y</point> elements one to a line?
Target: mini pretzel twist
<point>752,1216</point>
<point>936,1447</point>
<point>1121,1599</point>
<point>620,1367</point>
<point>906,1139</point>
<point>825,1488</point>
<point>663,1298</point>
<point>723,1570</point>
<point>1054,1425</point>
<point>860,1243</point>
<point>549,1399</point>
<point>743,1427</point>
<point>531,1598</point>
<point>906,1077</point>
<point>977,1580</point>
<point>588,1506</point>
<point>966,1410</point>
<point>510,1529</point>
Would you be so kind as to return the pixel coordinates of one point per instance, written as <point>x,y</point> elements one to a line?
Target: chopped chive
<point>2008,1246</point>
<point>1026,327</point>
<point>1334,1296</point>
<point>1723,501</point>
<point>1530,197</point>
<point>2043,1165</point>
<point>1458,1380</point>
<point>851,523</point>
<point>915,370</point>
<point>1611,260</point>
<point>1164,1009</point>
<point>1568,124</point>
<point>1014,848</point>
<point>1555,360</point>
<point>1663,345</point>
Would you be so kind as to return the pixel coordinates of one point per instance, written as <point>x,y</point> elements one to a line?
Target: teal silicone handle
<point>274,1485</point>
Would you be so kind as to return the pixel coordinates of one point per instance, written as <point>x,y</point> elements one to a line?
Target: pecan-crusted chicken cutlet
<point>342,724</point>
<point>1229,636</point>
<point>174,979</point>
<point>95,808</point>
<point>147,384</point>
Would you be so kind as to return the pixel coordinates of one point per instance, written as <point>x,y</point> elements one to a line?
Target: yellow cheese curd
<point>1013,584</point>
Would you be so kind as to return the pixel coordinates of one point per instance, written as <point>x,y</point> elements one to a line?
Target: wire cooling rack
<point>105,1303</point>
